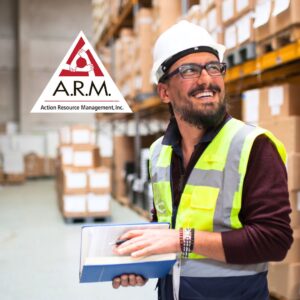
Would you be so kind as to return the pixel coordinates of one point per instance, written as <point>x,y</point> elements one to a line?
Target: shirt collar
<point>172,135</point>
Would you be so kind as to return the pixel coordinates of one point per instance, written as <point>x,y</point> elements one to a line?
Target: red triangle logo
<point>81,62</point>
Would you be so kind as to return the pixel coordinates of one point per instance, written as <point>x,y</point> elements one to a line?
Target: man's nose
<point>204,76</point>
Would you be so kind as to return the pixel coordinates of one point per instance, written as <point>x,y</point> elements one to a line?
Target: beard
<point>202,118</point>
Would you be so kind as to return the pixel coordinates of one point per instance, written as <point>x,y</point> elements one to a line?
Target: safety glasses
<point>188,71</point>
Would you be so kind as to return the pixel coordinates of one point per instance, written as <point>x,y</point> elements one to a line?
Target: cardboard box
<point>295,206</point>
<point>65,154</point>
<point>50,165</point>
<point>34,165</point>
<point>85,156</point>
<point>293,168</point>
<point>235,107</point>
<point>287,130</point>
<point>243,6</point>
<point>285,14</point>
<point>245,30</point>
<point>123,152</point>
<point>279,101</point>
<point>65,135</point>
<point>262,23</point>
<point>228,11</point>
<point>99,180</point>
<point>82,135</point>
<point>284,279</point>
<point>250,106</point>
<point>166,14</point>
<point>74,181</point>
<point>74,203</point>
<point>230,37</point>
<point>98,203</point>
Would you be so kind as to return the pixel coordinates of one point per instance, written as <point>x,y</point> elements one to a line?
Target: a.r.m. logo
<point>81,84</point>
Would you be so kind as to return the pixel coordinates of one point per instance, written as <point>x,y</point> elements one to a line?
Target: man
<point>221,184</point>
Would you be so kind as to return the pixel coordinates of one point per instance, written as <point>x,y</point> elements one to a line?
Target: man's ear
<point>163,92</point>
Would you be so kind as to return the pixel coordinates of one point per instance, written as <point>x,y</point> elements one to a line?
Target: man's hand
<point>128,280</point>
<point>148,242</point>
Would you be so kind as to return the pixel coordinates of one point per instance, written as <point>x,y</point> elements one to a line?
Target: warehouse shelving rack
<point>277,66</point>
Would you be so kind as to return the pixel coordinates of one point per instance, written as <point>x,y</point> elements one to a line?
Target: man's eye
<point>189,70</point>
<point>214,67</point>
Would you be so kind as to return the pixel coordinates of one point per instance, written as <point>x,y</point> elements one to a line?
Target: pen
<point>118,242</point>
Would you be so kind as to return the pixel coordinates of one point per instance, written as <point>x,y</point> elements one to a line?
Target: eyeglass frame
<point>202,66</point>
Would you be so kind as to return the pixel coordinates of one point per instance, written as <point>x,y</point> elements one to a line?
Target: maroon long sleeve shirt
<point>266,234</point>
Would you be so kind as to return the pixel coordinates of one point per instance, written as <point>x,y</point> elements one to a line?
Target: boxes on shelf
<point>250,106</point>
<point>285,14</point>
<point>243,7</point>
<point>286,129</point>
<point>123,153</point>
<point>144,44</point>
<point>194,14</point>
<point>166,13</point>
<point>262,24</point>
<point>283,279</point>
<point>279,101</point>
<point>228,11</point>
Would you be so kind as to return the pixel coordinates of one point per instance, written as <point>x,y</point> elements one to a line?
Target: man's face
<point>198,101</point>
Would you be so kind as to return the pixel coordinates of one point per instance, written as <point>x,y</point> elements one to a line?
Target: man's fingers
<point>116,282</point>
<point>124,280</point>
<point>132,280</point>
<point>140,281</point>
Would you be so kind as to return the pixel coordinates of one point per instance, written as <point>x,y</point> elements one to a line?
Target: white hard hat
<point>179,40</point>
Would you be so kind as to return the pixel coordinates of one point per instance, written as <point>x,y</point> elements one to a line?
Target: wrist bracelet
<point>186,238</point>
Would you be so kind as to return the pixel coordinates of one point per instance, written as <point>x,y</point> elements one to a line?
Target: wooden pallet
<point>74,220</point>
<point>279,40</point>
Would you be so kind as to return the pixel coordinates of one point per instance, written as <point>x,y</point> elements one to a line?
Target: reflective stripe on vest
<point>211,200</point>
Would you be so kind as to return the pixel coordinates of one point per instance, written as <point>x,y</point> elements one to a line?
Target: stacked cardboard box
<point>239,37</point>
<point>165,14</point>
<point>211,19</point>
<point>124,60</point>
<point>194,14</point>
<point>279,112</point>
<point>84,187</point>
<point>143,57</point>
<point>123,154</point>
<point>276,24</point>
<point>101,16</point>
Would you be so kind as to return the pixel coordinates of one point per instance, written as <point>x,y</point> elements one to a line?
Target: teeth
<point>204,94</point>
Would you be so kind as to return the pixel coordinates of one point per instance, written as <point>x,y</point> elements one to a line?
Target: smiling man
<point>220,183</point>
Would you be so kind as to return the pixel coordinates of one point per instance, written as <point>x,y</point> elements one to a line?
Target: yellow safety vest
<point>212,197</point>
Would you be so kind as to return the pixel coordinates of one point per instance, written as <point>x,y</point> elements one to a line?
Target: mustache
<point>203,87</point>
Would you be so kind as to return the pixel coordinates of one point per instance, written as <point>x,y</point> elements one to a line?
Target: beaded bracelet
<point>186,238</point>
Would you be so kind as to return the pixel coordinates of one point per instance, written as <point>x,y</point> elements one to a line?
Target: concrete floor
<point>39,253</point>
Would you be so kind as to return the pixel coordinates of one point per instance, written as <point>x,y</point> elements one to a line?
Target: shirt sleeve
<point>266,234</point>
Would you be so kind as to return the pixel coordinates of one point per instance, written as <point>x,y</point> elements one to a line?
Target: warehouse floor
<point>39,252</point>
